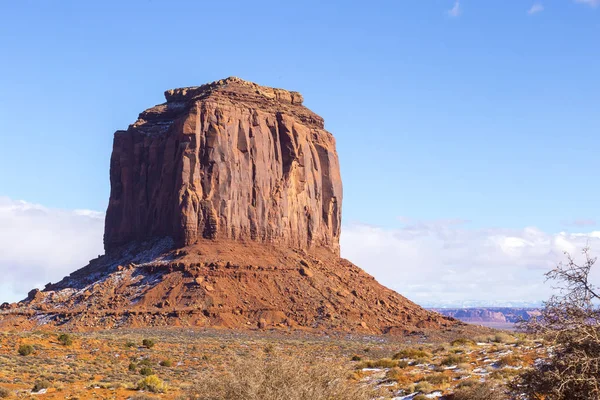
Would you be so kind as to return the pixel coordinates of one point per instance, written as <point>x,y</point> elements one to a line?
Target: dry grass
<point>279,378</point>
<point>479,391</point>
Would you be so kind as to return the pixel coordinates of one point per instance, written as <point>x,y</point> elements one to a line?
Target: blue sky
<point>479,111</point>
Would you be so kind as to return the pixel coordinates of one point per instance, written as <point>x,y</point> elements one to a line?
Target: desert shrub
<point>479,391</point>
<point>467,383</point>
<point>153,384</point>
<point>129,344</point>
<point>4,393</point>
<point>277,378</point>
<point>269,348</point>
<point>39,385</point>
<point>424,387</point>
<point>356,357</point>
<point>502,337</point>
<point>166,363</point>
<point>65,339</point>
<point>509,360</point>
<point>132,366</point>
<point>398,375</point>
<point>411,354</point>
<point>146,371</point>
<point>145,363</point>
<point>569,324</point>
<point>148,343</point>
<point>484,338</point>
<point>465,366</point>
<point>437,379</point>
<point>382,363</point>
<point>421,360</point>
<point>463,342</point>
<point>453,359</point>
<point>25,349</point>
<point>504,374</point>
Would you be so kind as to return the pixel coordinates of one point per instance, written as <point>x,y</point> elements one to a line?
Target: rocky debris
<point>230,159</point>
<point>258,287</point>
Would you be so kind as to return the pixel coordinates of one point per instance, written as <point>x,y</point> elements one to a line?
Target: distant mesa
<point>224,211</point>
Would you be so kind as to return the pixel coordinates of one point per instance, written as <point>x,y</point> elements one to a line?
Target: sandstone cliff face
<point>227,160</point>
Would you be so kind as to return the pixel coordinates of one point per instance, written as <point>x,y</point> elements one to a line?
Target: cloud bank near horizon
<point>40,245</point>
<point>433,263</point>
<point>440,263</point>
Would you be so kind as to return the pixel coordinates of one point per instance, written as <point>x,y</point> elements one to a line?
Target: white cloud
<point>428,261</point>
<point>443,262</point>
<point>591,3</point>
<point>535,8</point>
<point>455,11</point>
<point>40,245</point>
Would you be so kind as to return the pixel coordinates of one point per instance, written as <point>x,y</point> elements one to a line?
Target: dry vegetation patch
<point>214,365</point>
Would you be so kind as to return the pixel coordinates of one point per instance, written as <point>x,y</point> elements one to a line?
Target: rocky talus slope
<point>224,212</point>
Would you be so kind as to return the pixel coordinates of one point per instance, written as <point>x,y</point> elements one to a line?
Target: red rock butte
<point>224,212</point>
<point>230,159</point>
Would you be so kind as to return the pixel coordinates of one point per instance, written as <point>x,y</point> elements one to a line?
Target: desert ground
<point>213,364</point>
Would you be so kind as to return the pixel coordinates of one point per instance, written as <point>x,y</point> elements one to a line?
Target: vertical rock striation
<point>230,159</point>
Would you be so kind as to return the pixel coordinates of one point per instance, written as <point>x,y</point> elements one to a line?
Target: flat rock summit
<point>224,212</point>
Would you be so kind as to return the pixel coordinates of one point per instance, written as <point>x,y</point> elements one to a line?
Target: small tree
<point>570,323</point>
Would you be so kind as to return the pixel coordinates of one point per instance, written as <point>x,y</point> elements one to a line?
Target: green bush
<point>148,343</point>
<point>132,366</point>
<point>4,393</point>
<point>25,349</point>
<point>153,384</point>
<point>65,339</point>
<point>146,371</point>
<point>356,357</point>
<point>166,363</point>
<point>145,363</point>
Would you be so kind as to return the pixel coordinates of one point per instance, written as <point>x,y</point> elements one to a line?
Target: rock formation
<point>231,160</point>
<point>224,211</point>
